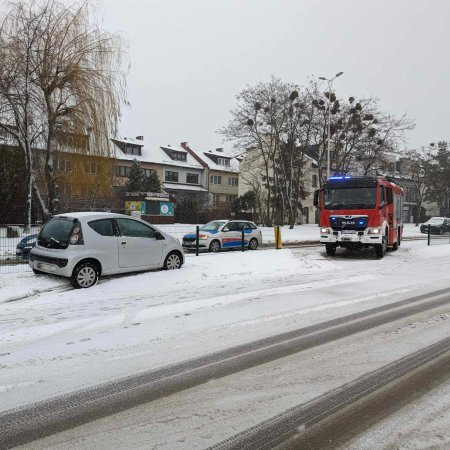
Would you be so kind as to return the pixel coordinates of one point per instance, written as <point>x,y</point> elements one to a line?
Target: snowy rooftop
<point>210,162</point>
<point>152,153</point>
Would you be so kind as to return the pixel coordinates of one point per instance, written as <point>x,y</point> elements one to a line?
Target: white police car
<point>223,234</point>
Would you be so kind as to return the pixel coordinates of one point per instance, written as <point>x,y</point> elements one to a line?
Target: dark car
<point>438,225</point>
<point>25,245</point>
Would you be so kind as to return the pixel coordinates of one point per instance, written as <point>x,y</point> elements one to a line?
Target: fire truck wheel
<point>397,242</point>
<point>331,249</point>
<point>380,249</point>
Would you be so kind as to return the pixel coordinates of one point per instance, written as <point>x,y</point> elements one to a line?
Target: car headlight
<point>202,237</point>
<point>325,230</point>
<point>373,231</point>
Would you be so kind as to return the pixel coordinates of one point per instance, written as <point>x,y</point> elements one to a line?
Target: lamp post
<point>330,85</point>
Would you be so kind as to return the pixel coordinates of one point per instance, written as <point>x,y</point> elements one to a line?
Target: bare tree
<point>418,166</point>
<point>267,120</point>
<point>73,80</point>
<point>20,117</point>
<point>282,123</point>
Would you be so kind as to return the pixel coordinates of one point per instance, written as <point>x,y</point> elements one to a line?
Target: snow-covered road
<point>54,339</point>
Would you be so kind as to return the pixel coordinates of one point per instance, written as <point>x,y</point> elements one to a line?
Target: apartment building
<point>222,171</point>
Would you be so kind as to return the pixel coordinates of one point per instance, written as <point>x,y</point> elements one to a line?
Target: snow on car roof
<point>90,214</point>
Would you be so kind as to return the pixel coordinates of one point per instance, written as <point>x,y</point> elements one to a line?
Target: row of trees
<point>429,170</point>
<point>59,74</point>
<point>282,126</point>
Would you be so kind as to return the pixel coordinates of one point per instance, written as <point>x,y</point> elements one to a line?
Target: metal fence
<point>438,235</point>
<point>16,241</point>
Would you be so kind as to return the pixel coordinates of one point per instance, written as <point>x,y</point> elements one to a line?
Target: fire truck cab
<point>360,212</point>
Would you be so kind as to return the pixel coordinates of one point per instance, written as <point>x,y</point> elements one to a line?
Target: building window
<point>64,165</point>
<point>215,179</point>
<point>192,178</point>
<point>314,181</point>
<point>133,150</point>
<point>171,176</point>
<point>179,156</point>
<point>122,171</point>
<point>223,162</point>
<point>216,198</point>
<point>233,181</point>
<point>231,198</point>
<point>148,172</point>
<point>90,168</point>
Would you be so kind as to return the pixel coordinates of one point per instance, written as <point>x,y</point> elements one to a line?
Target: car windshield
<point>351,198</point>
<point>29,238</point>
<point>436,220</point>
<point>213,226</point>
<point>56,233</point>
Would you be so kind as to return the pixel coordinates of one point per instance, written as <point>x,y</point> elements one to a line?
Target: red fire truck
<point>360,212</point>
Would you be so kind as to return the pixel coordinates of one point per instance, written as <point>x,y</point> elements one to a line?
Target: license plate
<point>348,231</point>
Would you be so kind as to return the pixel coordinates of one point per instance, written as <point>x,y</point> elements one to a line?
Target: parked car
<point>25,245</point>
<point>438,225</point>
<point>85,245</point>
<point>223,234</point>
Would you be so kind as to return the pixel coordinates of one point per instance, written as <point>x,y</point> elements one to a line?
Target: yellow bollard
<point>278,241</point>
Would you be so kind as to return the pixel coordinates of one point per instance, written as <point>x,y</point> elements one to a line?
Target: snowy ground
<point>424,424</point>
<point>54,339</point>
<point>206,414</point>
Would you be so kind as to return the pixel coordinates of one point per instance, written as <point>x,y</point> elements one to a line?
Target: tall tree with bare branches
<point>76,75</point>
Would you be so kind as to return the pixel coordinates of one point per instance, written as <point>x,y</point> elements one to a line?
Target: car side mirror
<point>158,236</point>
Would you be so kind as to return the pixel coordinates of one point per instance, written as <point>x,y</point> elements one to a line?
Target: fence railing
<point>438,235</point>
<point>16,241</point>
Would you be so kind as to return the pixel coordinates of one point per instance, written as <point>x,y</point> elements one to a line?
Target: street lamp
<point>330,84</point>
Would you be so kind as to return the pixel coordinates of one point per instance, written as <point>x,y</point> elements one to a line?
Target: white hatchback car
<point>223,234</point>
<point>82,246</point>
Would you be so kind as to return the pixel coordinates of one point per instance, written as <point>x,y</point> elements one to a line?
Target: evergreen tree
<point>136,177</point>
<point>439,177</point>
<point>151,183</point>
<point>139,182</point>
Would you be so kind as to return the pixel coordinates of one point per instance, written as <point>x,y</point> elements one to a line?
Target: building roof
<point>212,165</point>
<point>152,153</point>
<point>126,140</point>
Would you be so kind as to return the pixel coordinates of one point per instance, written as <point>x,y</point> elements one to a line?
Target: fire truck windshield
<point>350,198</point>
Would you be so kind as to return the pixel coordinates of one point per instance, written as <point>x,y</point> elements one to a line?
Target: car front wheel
<point>84,275</point>
<point>214,246</point>
<point>253,244</point>
<point>173,261</point>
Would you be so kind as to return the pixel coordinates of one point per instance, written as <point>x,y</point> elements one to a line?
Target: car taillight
<point>76,236</point>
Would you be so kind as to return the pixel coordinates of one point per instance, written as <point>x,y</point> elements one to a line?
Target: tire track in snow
<point>290,429</point>
<point>34,421</point>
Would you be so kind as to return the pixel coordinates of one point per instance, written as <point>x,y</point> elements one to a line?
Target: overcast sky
<point>189,59</point>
